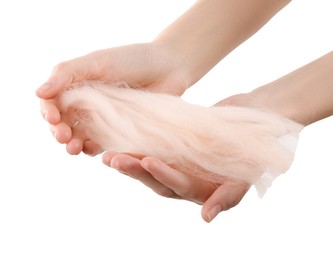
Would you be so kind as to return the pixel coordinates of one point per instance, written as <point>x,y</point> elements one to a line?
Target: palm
<point>171,183</point>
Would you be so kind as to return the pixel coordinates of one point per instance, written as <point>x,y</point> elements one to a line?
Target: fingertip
<point>74,147</point>
<point>115,163</point>
<point>50,112</point>
<point>205,217</point>
<point>119,162</point>
<point>41,90</point>
<point>46,90</point>
<point>107,157</point>
<point>209,214</point>
<point>90,148</point>
<point>52,117</point>
<point>226,196</point>
<point>59,80</point>
<point>63,133</point>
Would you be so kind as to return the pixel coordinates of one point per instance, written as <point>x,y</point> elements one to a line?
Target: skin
<point>179,56</point>
<point>182,54</point>
<point>304,95</point>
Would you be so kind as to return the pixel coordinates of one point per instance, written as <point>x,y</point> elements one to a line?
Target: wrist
<point>275,98</point>
<point>304,95</point>
<point>174,71</point>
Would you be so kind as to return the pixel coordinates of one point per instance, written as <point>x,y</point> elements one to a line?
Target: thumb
<point>225,197</point>
<point>66,73</point>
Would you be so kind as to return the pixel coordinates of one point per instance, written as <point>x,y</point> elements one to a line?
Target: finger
<point>164,174</point>
<point>91,148</point>
<point>187,187</point>
<point>108,155</point>
<point>75,144</point>
<point>61,132</point>
<point>225,197</point>
<point>131,166</point>
<point>50,111</point>
<point>60,78</point>
<point>64,74</point>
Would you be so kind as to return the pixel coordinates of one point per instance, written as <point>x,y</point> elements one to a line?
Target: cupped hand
<point>171,183</point>
<point>140,65</point>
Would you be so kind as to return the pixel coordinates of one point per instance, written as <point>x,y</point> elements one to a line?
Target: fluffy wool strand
<point>211,143</point>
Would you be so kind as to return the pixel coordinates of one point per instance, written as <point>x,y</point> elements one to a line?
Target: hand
<point>171,183</point>
<point>140,65</point>
<point>294,89</point>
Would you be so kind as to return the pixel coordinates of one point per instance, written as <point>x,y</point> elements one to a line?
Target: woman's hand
<point>291,96</point>
<point>181,54</point>
<point>140,65</point>
<point>171,183</point>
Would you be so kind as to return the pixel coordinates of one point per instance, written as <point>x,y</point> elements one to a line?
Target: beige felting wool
<point>209,142</point>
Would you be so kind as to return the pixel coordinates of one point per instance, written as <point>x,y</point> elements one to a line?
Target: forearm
<point>211,29</point>
<point>304,95</point>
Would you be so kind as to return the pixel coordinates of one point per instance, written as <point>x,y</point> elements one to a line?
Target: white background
<point>57,206</point>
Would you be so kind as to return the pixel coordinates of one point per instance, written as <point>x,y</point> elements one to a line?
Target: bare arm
<point>211,29</point>
<point>183,53</point>
<point>304,95</point>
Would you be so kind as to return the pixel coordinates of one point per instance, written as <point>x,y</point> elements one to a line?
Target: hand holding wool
<point>213,144</point>
<point>161,73</point>
<point>170,183</point>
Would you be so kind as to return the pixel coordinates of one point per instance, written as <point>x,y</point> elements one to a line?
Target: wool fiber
<point>211,143</point>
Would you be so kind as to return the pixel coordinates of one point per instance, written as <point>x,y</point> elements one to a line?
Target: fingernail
<point>213,212</point>
<point>115,164</point>
<point>144,164</point>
